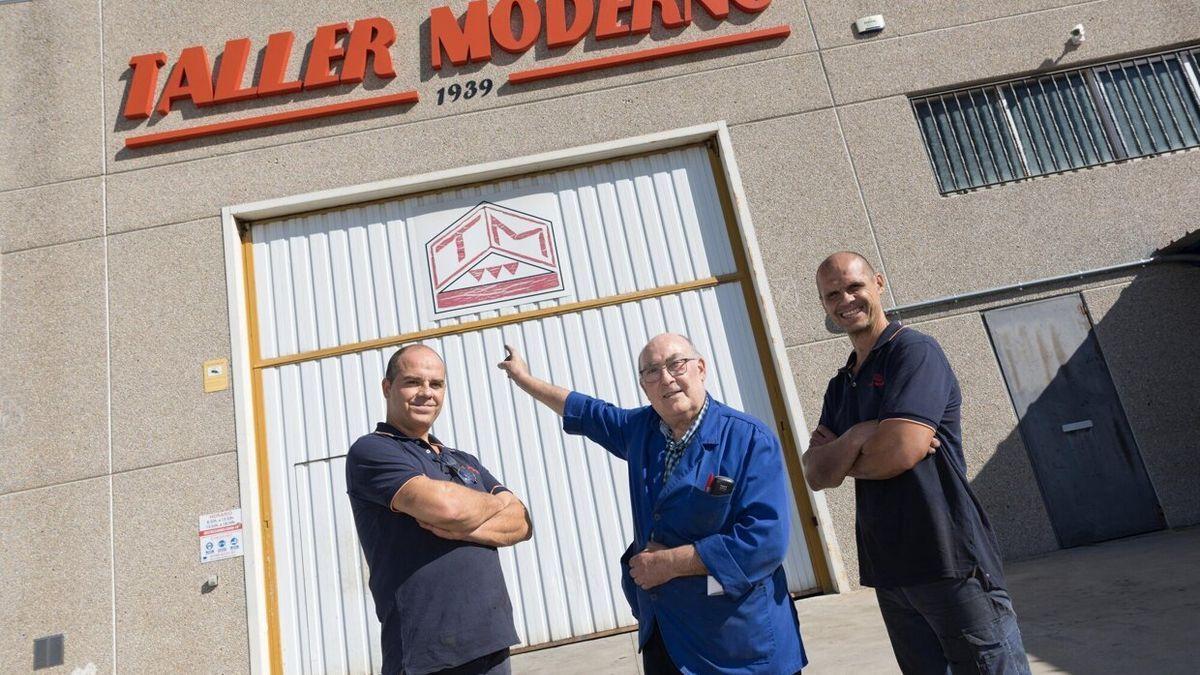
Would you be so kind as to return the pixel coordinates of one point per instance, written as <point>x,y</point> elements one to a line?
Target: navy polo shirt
<point>925,524</point>
<point>442,603</point>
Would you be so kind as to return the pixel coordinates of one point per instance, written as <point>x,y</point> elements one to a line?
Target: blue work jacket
<point>742,536</point>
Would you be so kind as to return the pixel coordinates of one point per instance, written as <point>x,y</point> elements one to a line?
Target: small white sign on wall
<point>221,535</point>
<point>490,255</point>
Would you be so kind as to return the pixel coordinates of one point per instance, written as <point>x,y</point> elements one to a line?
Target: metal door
<point>642,247</point>
<point>1080,443</point>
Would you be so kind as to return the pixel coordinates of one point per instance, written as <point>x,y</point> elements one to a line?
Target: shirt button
<point>658,516</point>
<point>654,596</point>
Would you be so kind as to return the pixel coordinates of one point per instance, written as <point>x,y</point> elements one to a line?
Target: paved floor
<point>1127,606</point>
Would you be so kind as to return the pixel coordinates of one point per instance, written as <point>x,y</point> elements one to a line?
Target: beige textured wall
<point>113,287</point>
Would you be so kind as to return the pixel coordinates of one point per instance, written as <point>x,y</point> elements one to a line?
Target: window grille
<point>1061,121</point>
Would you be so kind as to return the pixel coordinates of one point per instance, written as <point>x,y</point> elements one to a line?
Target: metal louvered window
<point>1061,121</point>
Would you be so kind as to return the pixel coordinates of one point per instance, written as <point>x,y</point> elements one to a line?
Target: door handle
<point>1077,426</point>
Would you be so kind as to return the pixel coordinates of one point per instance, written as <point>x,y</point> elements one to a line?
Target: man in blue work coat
<point>704,574</point>
<point>891,420</point>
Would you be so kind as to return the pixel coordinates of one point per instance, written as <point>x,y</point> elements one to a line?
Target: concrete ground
<point>1126,606</point>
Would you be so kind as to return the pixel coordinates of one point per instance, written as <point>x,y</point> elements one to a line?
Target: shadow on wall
<point>1130,384</point>
<point>1103,481</point>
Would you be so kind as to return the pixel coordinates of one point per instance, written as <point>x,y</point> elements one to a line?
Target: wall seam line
<point>112,525</point>
<point>121,473</point>
<point>53,183</point>
<point>862,199</point>
<point>820,341</point>
<point>977,22</point>
<point>103,193</point>
<point>39,247</point>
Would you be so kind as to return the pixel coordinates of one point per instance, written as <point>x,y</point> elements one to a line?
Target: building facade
<point>216,222</point>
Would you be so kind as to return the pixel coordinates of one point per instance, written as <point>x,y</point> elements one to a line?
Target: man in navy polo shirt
<point>430,518</point>
<point>704,573</point>
<point>891,420</point>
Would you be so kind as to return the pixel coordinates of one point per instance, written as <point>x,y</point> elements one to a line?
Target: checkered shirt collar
<point>675,448</point>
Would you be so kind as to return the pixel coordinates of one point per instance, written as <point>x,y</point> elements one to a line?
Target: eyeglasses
<point>676,367</point>
<point>451,465</point>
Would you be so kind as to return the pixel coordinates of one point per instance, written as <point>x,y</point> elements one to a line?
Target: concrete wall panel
<point>1147,331</point>
<point>52,397</point>
<point>198,189</point>
<point>169,315</point>
<point>53,214</point>
<point>165,621</point>
<point>136,28</point>
<point>57,572</point>
<point>935,246</point>
<point>812,366</point>
<point>50,104</point>
<point>805,205</point>
<point>1006,47</point>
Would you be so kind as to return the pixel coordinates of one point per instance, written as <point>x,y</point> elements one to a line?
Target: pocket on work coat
<point>699,514</point>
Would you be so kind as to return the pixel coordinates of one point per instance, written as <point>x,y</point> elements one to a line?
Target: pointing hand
<point>513,364</point>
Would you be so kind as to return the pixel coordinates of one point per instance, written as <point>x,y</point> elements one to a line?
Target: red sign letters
<point>470,40</point>
<point>192,78</point>
<point>339,54</point>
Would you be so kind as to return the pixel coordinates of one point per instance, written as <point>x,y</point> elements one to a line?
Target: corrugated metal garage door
<point>641,247</point>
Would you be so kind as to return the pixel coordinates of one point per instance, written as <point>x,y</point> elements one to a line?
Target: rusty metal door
<point>1080,444</point>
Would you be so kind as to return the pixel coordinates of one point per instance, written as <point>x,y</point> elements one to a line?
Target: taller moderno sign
<point>346,53</point>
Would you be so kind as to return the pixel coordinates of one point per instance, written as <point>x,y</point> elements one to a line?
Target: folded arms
<point>871,450</point>
<point>453,511</point>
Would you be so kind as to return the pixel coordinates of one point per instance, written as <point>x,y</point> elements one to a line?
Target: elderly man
<point>430,518</point>
<point>704,573</point>
<point>891,420</point>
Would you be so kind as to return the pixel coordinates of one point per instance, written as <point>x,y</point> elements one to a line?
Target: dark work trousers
<point>655,659</point>
<point>496,663</point>
<point>956,626</point>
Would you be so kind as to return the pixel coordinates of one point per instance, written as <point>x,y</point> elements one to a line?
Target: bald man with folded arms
<point>430,518</point>
<point>891,420</point>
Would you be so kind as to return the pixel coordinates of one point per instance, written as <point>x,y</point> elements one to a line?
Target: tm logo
<point>492,255</point>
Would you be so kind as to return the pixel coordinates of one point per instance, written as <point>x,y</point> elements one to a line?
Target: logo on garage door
<point>492,256</point>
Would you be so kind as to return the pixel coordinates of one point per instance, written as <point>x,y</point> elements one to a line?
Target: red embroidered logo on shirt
<point>877,381</point>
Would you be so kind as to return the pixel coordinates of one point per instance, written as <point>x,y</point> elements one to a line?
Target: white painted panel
<point>344,276</point>
<point>565,582</point>
<point>360,273</point>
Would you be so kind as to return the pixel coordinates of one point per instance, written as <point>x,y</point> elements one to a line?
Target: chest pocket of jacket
<point>703,514</point>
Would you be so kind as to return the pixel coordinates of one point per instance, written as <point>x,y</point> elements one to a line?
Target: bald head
<point>393,365</point>
<point>842,259</point>
<point>667,343</point>
<point>414,387</point>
